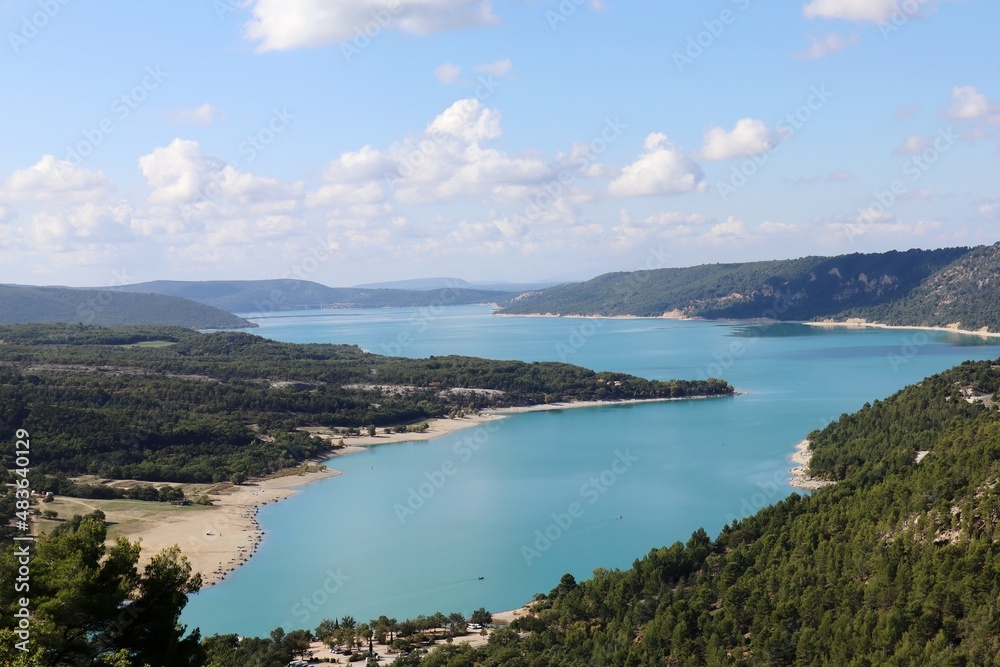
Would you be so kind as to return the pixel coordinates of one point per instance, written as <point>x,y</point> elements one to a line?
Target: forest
<point>174,405</point>
<point>895,564</point>
<point>916,287</point>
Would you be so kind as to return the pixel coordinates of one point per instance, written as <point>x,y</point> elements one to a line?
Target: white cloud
<point>450,160</point>
<point>52,180</point>
<point>447,73</point>
<point>769,228</point>
<point>191,192</point>
<point>279,25</point>
<point>748,138</point>
<point>989,211</point>
<point>820,48</point>
<point>730,229</point>
<point>663,169</point>
<point>496,68</point>
<point>853,10</point>
<point>206,114</point>
<point>968,103</point>
<point>89,223</point>
<point>913,144</point>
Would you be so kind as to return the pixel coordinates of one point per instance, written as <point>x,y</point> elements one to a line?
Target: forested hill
<point>917,287</point>
<point>170,404</point>
<point>897,564</point>
<point>47,305</point>
<point>266,296</point>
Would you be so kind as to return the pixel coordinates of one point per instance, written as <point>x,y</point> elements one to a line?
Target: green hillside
<point>916,287</point>
<point>50,305</point>
<point>897,564</point>
<point>169,404</point>
<point>267,296</point>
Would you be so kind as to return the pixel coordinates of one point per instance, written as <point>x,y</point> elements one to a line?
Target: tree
<point>91,604</point>
<point>481,617</point>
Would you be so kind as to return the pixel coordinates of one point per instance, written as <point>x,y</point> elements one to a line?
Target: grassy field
<point>126,518</point>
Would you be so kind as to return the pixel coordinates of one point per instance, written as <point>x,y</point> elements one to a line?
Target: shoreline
<point>800,473</point>
<point>220,539</point>
<point>865,324</point>
<point>853,323</point>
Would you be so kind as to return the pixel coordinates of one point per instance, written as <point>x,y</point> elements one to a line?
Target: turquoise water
<point>409,529</point>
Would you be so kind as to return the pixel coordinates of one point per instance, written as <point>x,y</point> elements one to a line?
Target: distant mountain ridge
<point>261,297</point>
<point>956,287</point>
<point>444,283</point>
<point>23,304</point>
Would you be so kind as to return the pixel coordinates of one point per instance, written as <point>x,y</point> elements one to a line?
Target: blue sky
<point>352,142</point>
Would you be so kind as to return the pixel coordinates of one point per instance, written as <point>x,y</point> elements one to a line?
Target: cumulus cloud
<point>206,114</point>
<point>853,10</point>
<point>748,138</point>
<point>450,159</point>
<point>279,25</point>
<point>913,144</point>
<point>496,68</point>
<point>447,73</point>
<point>967,103</point>
<point>190,191</point>
<point>52,180</point>
<point>730,229</point>
<point>662,169</point>
<point>822,47</point>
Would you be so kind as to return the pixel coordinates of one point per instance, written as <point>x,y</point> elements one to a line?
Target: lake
<point>487,517</point>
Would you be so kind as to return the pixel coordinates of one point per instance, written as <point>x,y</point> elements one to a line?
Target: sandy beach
<point>858,323</point>
<point>800,473</point>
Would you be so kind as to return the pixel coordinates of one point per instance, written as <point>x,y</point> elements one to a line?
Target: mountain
<point>948,287</point>
<point>443,283</point>
<point>267,296</point>
<point>50,305</point>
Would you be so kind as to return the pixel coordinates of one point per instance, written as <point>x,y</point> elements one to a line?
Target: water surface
<point>488,517</point>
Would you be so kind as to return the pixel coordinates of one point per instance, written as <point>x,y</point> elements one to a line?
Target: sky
<point>357,141</point>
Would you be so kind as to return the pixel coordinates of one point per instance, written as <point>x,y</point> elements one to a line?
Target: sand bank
<point>858,323</point>
<point>800,473</point>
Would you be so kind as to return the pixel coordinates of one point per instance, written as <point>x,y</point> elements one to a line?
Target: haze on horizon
<point>378,140</point>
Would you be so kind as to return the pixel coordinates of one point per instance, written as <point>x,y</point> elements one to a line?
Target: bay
<point>488,517</point>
